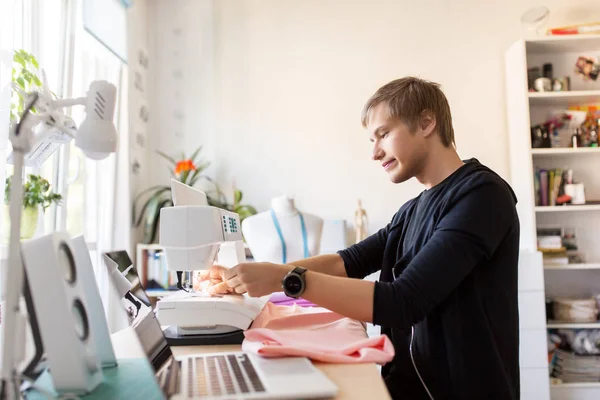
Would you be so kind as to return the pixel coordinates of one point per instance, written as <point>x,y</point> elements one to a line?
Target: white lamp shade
<point>96,138</point>
<point>97,135</point>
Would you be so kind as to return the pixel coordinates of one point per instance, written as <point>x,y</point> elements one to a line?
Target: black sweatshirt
<point>448,262</point>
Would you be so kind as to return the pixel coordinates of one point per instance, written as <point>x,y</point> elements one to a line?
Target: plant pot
<point>29,219</point>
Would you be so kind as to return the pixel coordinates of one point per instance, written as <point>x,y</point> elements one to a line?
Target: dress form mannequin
<point>263,239</point>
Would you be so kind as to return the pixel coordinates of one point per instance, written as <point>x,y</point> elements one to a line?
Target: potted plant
<point>187,170</point>
<point>24,75</point>
<point>36,194</point>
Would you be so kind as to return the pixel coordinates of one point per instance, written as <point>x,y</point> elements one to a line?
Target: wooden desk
<point>355,381</point>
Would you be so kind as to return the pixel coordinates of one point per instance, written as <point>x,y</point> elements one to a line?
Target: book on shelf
<point>547,184</point>
<point>558,258</point>
<point>550,242</point>
<point>569,367</point>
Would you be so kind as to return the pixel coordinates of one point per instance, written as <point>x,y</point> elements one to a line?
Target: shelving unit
<point>558,98</point>
<point>526,109</point>
<point>573,266</point>
<point>566,325</point>
<point>577,385</point>
<point>568,208</point>
<point>565,151</point>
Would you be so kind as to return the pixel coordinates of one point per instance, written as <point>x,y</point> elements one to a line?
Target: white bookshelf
<point>561,98</point>
<point>526,109</point>
<point>577,385</point>
<point>565,151</point>
<point>573,266</point>
<point>568,208</point>
<point>570,325</point>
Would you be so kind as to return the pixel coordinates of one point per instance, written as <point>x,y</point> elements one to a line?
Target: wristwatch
<point>294,282</point>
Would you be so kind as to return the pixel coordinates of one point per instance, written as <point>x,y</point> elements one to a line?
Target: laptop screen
<point>140,312</point>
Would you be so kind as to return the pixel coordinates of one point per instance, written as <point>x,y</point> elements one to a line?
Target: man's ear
<point>427,122</point>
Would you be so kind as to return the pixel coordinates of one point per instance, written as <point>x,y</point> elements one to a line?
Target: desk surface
<point>355,381</point>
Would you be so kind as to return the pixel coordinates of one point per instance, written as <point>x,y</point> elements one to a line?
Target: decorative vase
<point>29,219</point>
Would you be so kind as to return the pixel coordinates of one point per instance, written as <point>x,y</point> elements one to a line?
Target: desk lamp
<point>96,137</point>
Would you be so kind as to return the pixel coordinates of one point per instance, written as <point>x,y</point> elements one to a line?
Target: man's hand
<point>214,281</point>
<point>256,279</point>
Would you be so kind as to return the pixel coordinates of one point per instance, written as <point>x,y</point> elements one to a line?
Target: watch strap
<point>299,270</point>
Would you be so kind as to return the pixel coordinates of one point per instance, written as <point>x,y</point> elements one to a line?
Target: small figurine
<point>360,223</point>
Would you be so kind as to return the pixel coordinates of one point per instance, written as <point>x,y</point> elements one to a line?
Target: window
<point>40,37</point>
<point>52,30</point>
<point>87,179</point>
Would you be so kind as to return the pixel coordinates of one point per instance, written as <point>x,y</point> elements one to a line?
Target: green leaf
<point>36,192</point>
<point>34,62</point>
<point>237,196</point>
<point>143,192</point>
<point>146,207</point>
<point>195,154</point>
<point>21,82</point>
<point>184,176</point>
<point>245,212</point>
<point>202,166</point>
<point>169,158</point>
<point>194,177</point>
<point>20,60</point>
<point>37,81</point>
<point>153,216</point>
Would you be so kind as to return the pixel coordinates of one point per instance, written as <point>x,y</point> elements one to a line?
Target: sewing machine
<point>195,236</point>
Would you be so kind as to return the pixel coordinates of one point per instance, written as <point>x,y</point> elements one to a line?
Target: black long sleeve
<point>449,270</point>
<point>366,257</point>
<point>465,236</point>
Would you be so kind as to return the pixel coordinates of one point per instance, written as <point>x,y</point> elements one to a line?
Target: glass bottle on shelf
<point>576,139</point>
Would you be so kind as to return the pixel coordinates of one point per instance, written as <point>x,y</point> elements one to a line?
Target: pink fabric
<point>281,299</point>
<point>316,333</point>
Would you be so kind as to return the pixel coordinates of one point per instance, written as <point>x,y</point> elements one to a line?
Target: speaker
<point>62,312</point>
<point>96,314</point>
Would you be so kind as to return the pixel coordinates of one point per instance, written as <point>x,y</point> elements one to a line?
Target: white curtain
<point>7,10</point>
<point>106,211</point>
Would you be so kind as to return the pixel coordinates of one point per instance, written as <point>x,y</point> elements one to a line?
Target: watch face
<point>293,284</point>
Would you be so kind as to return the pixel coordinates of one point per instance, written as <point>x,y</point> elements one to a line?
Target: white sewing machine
<point>195,236</point>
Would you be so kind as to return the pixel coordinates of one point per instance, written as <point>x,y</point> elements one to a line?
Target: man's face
<point>402,153</point>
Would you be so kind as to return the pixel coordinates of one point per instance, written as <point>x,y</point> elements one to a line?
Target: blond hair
<point>407,98</point>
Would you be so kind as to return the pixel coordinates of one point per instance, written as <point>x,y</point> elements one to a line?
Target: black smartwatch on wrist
<point>294,282</point>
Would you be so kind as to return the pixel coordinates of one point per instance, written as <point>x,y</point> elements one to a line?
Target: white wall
<point>181,95</point>
<point>291,77</point>
<point>139,32</point>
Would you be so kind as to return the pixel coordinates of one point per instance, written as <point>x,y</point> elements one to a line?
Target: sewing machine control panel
<point>230,224</point>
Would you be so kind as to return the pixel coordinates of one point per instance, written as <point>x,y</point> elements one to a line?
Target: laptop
<point>228,375</point>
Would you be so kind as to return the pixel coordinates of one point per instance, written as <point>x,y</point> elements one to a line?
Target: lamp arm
<point>80,101</point>
<point>22,138</point>
<point>12,286</point>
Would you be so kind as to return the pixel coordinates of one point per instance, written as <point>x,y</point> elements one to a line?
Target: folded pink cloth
<point>316,333</point>
<point>281,299</point>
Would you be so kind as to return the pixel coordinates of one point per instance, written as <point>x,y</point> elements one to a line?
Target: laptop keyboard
<point>222,375</point>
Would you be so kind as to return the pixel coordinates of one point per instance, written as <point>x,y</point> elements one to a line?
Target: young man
<point>447,294</point>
